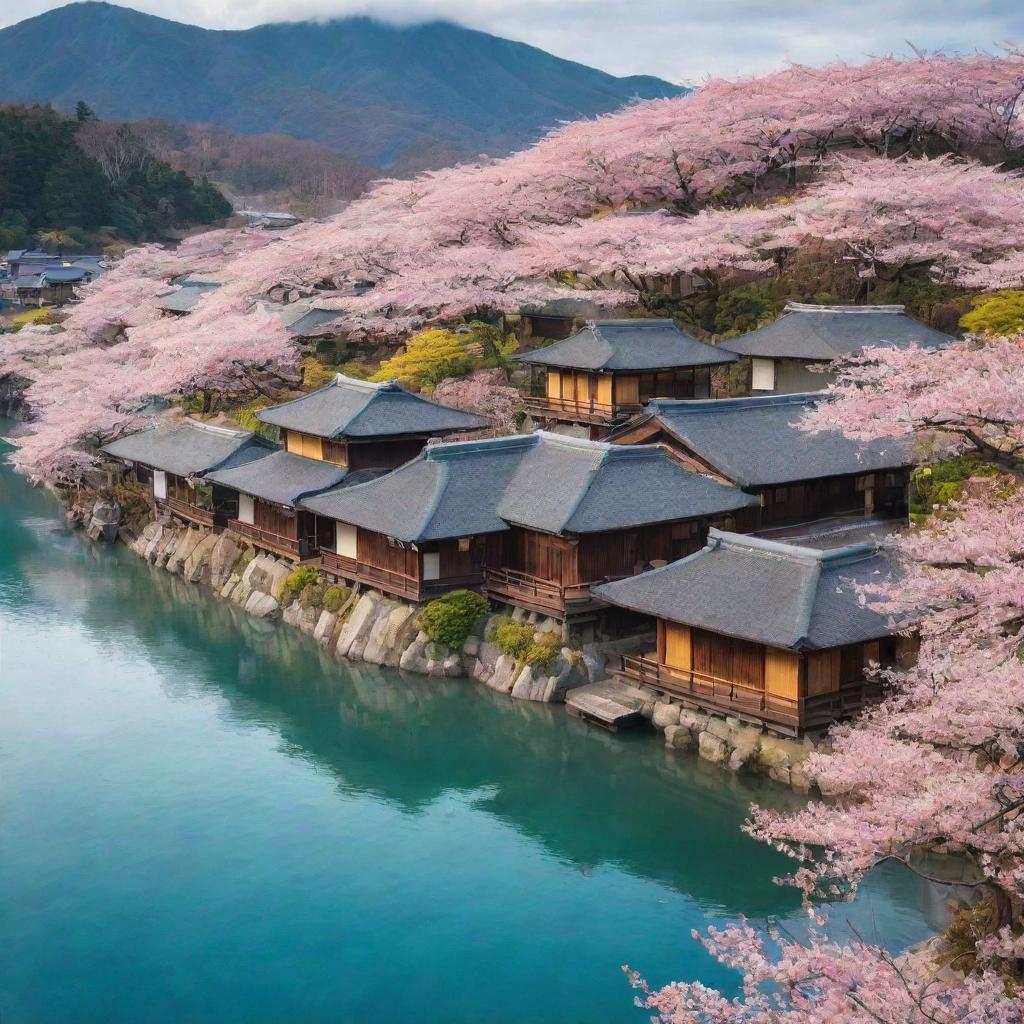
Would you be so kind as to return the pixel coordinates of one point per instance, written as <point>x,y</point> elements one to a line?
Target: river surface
<point>203,819</point>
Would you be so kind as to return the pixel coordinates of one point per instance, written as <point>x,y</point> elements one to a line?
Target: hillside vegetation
<point>400,97</point>
<point>77,183</point>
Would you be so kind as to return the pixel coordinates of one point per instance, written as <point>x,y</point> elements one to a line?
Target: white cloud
<point>681,40</point>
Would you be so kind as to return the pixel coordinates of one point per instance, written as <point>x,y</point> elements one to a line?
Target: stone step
<point>610,703</point>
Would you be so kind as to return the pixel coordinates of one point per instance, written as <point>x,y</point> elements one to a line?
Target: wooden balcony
<point>183,510</point>
<point>540,595</point>
<point>279,544</point>
<point>544,408</point>
<point>785,715</point>
<point>390,581</point>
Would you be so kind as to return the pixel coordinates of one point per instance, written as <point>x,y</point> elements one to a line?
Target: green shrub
<point>449,619</point>
<point>938,485</point>
<point>513,639</point>
<point>543,653</point>
<point>335,597</point>
<point>296,582</point>
<point>312,596</point>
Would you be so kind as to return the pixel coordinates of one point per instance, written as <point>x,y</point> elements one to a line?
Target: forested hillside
<point>79,183</point>
<point>398,97</point>
<point>272,170</point>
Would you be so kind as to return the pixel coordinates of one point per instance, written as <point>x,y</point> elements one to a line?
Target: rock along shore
<point>371,627</point>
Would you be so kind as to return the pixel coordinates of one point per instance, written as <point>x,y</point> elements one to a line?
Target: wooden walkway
<point>611,703</point>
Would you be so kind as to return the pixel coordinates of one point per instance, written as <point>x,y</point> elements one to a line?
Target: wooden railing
<point>532,590</point>
<point>731,697</point>
<point>392,581</point>
<point>182,509</point>
<point>291,547</point>
<point>588,410</point>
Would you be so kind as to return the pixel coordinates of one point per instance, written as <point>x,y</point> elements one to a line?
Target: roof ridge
<point>640,322</point>
<point>738,404</point>
<point>341,379</point>
<point>813,307</point>
<point>430,510</point>
<point>454,449</point>
<point>798,552</point>
<point>212,428</point>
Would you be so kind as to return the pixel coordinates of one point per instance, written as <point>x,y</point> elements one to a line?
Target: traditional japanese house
<point>767,632</point>
<point>607,371</point>
<point>757,444</point>
<point>783,353</point>
<point>359,425</point>
<point>583,512</point>
<point>269,490</point>
<point>172,458</point>
<point>430,526</point>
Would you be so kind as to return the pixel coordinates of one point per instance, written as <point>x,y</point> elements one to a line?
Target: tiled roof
<point>628,345</point>
<point>758,441</point>
<point>540,481</point>
<point>356,408</point>
<point>824,333</point>
<point>188,448</point>
<point>280,476</point>
<point>449,490</point>
<point>783,595</point>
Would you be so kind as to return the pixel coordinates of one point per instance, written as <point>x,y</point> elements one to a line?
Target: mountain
<point>384,95</point>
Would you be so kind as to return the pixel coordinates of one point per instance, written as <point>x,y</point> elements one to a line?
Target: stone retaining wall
<point>376,629</point>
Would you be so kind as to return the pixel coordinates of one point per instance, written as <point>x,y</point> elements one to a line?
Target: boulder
<point>504,675</point>
<point>261,606</point>
<point>228,589</point>
<point>532,684</point>
<point>413,659</point>
<point>713,748</point>
<point>196,568</point>
<point>144,539</point>
<point>358,626</point>
<point>166,549</point>
<point>103,521</point>
<point>278,574</point>
<point>325,627</point>
<point>185,546</point>
<point>665,715</point>
<point>744,753</point>
<point>679,737</point>
<point>695,721</point>
<point>153,543</point>
<point>471,647</point>
<point>390,634</point>
<point>223,556</point>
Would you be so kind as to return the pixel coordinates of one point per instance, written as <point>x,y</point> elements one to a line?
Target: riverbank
<point>364,625</point>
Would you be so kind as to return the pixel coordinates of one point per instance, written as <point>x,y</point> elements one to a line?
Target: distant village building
<point>172,459</point>
<point>758,445</point>
<point>782,353</point>
<point>360,425</point>
<point>770,633</point>
<point>39,279</point>
<point>610,369</point>
<point>185,295</point>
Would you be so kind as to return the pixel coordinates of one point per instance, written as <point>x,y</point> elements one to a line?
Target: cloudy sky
<point>682,40</point>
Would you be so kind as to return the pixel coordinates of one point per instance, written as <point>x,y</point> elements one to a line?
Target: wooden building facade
<point>767,632</point>
<point>606,372</point>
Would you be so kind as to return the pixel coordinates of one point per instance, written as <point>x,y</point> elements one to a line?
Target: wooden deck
<point>610,703</point>
<point>190,513</point>
<point>539,595</point>
<point>543,408</point>
<point>289,547</point>
<point>390,581</point>
<point>710,693</point>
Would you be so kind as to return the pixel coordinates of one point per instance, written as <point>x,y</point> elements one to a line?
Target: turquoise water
<point>206,820</point>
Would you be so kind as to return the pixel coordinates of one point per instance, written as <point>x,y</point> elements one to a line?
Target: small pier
<point>610,703</point>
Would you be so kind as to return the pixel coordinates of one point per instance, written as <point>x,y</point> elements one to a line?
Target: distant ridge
<point>396,97</point>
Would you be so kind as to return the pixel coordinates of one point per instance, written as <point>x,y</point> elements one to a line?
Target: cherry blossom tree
<point>895,160</point>
<point>933,777</point>
<point>486,393</point>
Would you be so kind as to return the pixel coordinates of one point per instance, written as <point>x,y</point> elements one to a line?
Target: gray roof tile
<point>357,408</point>
<point>628,345</point>
<point>568,485</point>
<point>758,441</point>
<point>280,476</point>
<point>783,595</point>
<point>824,333</point>
<point>188,448</point>
<point>449,490</point>
<point>540,481</point>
